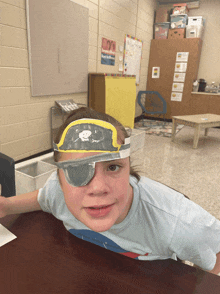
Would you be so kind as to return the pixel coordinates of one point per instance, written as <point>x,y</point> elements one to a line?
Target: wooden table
<point>45,258</point>
<point>198,122</point>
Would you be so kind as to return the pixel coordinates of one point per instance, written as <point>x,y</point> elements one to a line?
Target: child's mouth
<point>99,211</point>
<point>99,207</point>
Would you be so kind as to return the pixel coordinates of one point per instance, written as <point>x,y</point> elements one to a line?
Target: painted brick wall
<point>25,120</point>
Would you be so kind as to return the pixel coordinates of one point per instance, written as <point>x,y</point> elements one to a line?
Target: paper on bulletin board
<point>182,56</point>
<point>155,72</point>
<point>179,77</point>
<point>180,67</point>
<point>108,52</point>
<point>178,87</point>
<point>176,96</point>
<point>132,57</point>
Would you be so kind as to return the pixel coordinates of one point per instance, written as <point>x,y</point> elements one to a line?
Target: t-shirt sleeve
<point>49,194</point>
<point>196,236</point>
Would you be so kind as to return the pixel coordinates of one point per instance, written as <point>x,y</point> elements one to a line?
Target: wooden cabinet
<point>163,55</point>
<point>114,95</point>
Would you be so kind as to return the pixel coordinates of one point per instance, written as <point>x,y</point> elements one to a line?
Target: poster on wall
<point>155,72</point>
<point>178,87</point>
<point>132,57</point>
<point>180,67</point>
<point>108,52</point>
<point>182,56</point>
<point>176,96</point>
<point>179,77</point>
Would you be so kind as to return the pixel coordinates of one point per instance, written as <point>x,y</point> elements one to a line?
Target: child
<point>101,199</point>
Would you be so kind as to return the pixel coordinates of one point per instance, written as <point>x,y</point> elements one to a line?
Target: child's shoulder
<point>52,184</point>
<point>158,196</point>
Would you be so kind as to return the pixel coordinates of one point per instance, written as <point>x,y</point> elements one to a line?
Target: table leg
<point>206,131</point>
<point>173,130</point>
<point>196,136</point>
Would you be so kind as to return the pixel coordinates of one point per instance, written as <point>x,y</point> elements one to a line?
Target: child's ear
<point>58,175</point>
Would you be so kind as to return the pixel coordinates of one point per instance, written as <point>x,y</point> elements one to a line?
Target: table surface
<point>199,118</point>
<point>46,258</point>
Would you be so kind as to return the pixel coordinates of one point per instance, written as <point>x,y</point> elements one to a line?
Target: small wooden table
<point>197,121</point>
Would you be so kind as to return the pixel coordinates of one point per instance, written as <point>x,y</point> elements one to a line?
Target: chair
<point>7,175</point>
<point>151,102</point>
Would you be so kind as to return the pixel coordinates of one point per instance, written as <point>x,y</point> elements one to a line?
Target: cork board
<point>163,55</point>
<point>58,41</point>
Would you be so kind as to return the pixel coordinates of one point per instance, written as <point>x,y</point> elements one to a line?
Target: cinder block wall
<point>25,120</point>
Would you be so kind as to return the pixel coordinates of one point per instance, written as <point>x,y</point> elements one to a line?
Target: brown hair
<point>85,112</point>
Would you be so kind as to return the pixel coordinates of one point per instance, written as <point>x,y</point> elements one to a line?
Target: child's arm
<point>19,204</point>
<point>216,269</point>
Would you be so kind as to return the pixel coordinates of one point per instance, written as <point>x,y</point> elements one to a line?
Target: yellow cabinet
<point>114,95</point>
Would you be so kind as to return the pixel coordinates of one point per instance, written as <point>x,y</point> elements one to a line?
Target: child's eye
<point>114,167</point>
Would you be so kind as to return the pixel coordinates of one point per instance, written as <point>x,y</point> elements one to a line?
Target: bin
<point>194,31</point>
<point>161,30</point>
<point>178,21</point>
<point>32,176</point>
<point>49,160</point>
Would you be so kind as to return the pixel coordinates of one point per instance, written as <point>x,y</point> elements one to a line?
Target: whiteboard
<point>58,41</point>
<point>132,57</point>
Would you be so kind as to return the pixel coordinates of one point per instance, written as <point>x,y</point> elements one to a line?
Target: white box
<point>32,176</point>
<point>194,31</point>
<point>195,20</point>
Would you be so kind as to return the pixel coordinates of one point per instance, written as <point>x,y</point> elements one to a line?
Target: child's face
<point>109,187</point>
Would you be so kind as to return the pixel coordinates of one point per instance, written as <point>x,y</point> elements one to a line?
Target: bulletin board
<point>58,41</point>
<point>132,56</point>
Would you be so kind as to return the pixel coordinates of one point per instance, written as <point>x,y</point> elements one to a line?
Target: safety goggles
<point>89,135</point>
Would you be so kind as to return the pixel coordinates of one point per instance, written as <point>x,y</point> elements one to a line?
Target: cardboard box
<point>192,5</point>
<point>161,30</point>
<point>162,15</point>
<point>180,8</point>
<point>176,34</point>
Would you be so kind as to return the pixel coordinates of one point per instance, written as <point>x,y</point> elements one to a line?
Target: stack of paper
<point>5,236</point>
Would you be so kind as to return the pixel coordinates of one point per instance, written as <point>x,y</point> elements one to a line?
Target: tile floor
<point>193,172</point>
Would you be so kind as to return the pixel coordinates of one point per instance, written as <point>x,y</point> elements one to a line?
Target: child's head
<point>85,112</point>
<point>95,182</point>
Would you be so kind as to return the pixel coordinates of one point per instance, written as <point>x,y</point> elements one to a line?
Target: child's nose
<point>99,184</point>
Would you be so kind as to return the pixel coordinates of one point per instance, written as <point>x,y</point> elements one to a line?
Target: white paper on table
<point>180,67</point>
<point>5,236</point>
<point>179,77</point>
<point>176,96</point>
<point>178,87</point>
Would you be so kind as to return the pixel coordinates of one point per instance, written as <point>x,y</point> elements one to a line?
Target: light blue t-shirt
<point>161,224</point>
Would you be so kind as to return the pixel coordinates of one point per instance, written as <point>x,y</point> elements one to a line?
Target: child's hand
<point>3,206</point>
